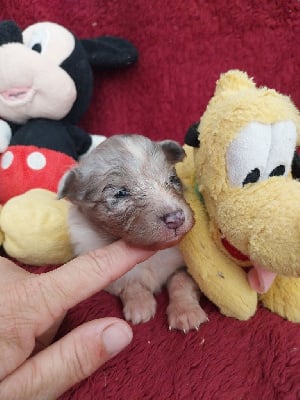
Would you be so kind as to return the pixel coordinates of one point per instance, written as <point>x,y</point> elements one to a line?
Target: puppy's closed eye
<point>118,192</point>
<point>121,193</point>
<point>115,194</point>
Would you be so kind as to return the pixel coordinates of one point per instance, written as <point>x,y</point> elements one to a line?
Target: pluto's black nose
<point>174,219</point>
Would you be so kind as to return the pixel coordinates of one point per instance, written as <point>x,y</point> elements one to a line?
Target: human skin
<point>32,307</point>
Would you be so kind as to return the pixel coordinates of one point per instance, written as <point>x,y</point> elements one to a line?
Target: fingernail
<point>115,337</point>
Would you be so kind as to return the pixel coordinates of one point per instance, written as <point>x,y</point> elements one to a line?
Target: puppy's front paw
<point>185,316</point>
<point>140,309</point>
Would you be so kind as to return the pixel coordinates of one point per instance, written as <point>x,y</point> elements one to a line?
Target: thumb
<point>66,362</point>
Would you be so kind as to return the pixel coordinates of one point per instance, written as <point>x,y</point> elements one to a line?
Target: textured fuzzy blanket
<point>184,46</point>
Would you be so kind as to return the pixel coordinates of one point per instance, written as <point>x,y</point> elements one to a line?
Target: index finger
<point>87,274</point>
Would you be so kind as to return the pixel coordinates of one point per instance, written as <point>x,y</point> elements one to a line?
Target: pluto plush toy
<point>46,83</point>
<point>245,245</point>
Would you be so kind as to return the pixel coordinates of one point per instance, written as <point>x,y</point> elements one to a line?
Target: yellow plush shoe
<point>34,228</point>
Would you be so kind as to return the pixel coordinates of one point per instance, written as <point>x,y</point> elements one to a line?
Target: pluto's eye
<point>278,171</point>
<point>121,193</point>
<point>37,47</point>
<point>252,176</point>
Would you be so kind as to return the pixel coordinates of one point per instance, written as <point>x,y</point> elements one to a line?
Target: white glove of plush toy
<point>96,139</point>
<point>5,135</point>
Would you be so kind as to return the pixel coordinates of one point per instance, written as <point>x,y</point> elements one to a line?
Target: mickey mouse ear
<point>10,33</point>
<point>110,52</point>
<point>192,136</point>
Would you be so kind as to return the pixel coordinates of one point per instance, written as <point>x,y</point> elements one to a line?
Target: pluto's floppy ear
<point>173,151</point>
<point>192,136</point>
<point>110,52</point>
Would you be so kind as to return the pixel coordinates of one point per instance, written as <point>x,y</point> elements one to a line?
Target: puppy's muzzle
<point>174,219</point>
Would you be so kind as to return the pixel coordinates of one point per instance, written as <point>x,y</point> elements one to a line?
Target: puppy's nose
<point>174,219</point>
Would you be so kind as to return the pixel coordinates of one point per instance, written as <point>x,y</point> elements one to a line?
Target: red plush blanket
<point>183,46</point>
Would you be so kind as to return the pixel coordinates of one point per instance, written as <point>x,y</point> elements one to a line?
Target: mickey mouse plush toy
<point>46,83</point>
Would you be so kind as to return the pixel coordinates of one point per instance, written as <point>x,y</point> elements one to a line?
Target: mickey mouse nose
<point>174,219</point>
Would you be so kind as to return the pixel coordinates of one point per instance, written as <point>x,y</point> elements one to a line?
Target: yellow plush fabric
<point>219,278</point>
<point>284,298</point>
<point>260,218</point>
<point>21,219</point>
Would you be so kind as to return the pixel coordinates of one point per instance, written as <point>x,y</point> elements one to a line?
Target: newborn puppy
<point>127,188</point>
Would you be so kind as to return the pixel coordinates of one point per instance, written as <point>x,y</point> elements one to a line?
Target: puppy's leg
<point>139,304</point>
<point>184,311</point>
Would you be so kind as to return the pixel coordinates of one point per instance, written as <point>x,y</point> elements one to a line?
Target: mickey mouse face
<point>261,151</point>
<point>46,72</point>
<point>52,41</point>
<point>32,84</point>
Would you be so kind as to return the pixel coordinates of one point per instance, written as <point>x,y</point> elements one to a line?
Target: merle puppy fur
<point>127,188</point>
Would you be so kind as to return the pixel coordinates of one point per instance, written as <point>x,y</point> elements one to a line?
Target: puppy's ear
<point>69,185</point>
<point>173,151</point>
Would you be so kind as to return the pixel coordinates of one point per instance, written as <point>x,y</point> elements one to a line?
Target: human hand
<point>31,309</point>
